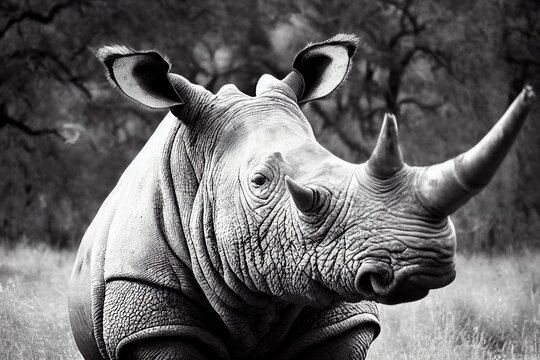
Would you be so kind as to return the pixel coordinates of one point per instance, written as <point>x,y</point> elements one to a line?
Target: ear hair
<point>349,41</point>
<point>108,54</point>
<point>113,52</point>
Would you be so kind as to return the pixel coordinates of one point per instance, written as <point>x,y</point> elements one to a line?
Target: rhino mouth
<point>404,286</point>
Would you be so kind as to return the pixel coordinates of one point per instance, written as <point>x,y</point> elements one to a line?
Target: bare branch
<point>69,77</point>
<point>344,136</point>
<point>422,105</point>
<point>522,60</point>
<point>406,17</point>
<point>374,111</point>
<point>36,17</point>
<point>5,119</point>
<point>438,56</point>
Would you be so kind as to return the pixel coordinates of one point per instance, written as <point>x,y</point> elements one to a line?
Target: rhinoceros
<point>234,234</point>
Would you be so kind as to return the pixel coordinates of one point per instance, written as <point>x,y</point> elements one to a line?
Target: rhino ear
<point>325,65</point>
<point>141,75</point>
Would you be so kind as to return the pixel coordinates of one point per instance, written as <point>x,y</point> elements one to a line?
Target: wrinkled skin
<point>235,235</point>
<point>377,223</point>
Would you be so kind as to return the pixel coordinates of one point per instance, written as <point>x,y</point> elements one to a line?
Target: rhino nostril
<point>373,280</point>
<point>363,284</point>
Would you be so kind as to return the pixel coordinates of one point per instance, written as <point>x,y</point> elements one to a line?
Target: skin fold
<point>235,235</point>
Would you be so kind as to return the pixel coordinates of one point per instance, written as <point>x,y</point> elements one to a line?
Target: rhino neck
<point>255,322</point>
<point>182,174</point>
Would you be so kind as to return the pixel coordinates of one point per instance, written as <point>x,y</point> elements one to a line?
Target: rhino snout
<point>379,282</point>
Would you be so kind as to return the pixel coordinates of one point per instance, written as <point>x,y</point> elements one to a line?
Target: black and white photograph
<point>270,179</point>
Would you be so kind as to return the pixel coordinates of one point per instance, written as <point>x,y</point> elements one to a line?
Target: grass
<point>491,311</point>
<point>33,304</point>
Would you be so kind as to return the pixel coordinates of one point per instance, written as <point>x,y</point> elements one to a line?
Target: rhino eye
<point>259,180</point>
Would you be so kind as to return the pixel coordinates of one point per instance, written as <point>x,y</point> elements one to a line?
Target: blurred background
<point>447,68</point>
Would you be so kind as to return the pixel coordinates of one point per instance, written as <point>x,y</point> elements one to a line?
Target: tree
<point>447,73</point>
<point>65,135</point>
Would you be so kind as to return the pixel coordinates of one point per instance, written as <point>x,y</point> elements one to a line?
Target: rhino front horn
<point>306,199</point>
<point>386,159</point>
<point>444,187</point>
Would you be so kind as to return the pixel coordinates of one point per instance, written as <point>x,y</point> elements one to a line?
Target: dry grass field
<point>491,311</point>
<point>33,305</point>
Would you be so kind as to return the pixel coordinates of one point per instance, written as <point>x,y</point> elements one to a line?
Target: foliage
<point>447,68</point>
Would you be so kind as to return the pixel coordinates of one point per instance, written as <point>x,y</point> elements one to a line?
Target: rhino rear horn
<point>306,199</point>
<point>386,159</point>
<point>444,187</point>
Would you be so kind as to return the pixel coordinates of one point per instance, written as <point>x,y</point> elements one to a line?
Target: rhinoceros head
<point>276,213</point>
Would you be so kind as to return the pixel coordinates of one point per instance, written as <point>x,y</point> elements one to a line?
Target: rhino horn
<point>306,199</point>
<point>386,159</point>
<point>444,187</point>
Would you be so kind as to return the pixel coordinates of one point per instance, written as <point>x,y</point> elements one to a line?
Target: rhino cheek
<point>289,260</point>
<point>255,248</point>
